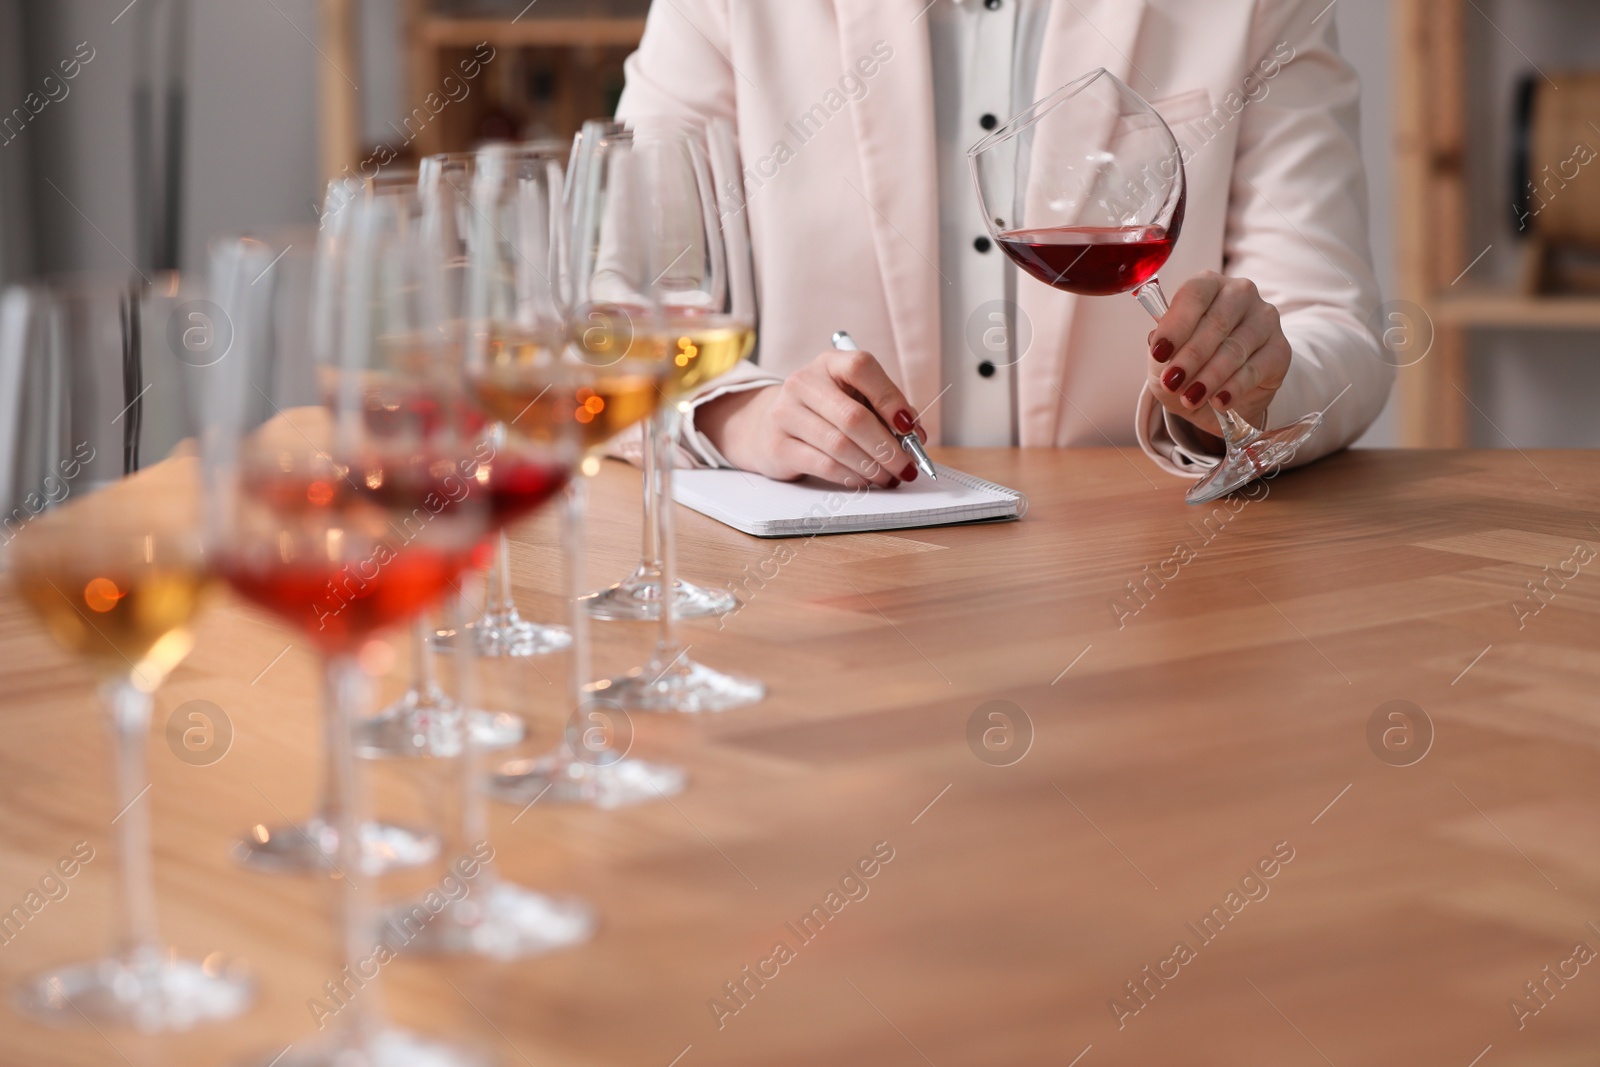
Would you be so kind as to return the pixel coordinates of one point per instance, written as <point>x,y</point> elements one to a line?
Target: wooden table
<point>1176,744</point>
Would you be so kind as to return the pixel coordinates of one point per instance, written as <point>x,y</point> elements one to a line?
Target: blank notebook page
<point>765,508</point>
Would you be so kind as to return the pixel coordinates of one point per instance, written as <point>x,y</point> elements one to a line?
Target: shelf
<point>530,32</point>
<point>1496,308</point>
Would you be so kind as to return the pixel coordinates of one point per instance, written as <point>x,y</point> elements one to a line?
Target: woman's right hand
<point>816,424</point>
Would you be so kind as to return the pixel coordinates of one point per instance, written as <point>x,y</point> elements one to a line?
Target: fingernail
<point>910,473</point>
<point>1173,378</point>
<point>1162,351</point>
<point>1196,393</point>
<point>904,422</point>
<point>1225,398</point>
<point>894,483</point>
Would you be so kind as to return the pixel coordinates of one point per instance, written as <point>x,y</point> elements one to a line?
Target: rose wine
<point>541,407</point>
<point>117,616</point>
<point>337,602</point>
<point>507,485</point>
<point>1091,260</point>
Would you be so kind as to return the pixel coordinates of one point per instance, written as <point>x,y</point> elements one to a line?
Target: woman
<point>854,117</point>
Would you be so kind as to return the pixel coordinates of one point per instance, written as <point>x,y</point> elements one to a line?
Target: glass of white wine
<point>662,269</point>
<point>117,577</point>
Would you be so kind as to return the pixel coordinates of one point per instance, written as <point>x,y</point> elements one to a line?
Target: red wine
<point>1090,260</point>
<point>506,487</point>
<point>517,486</point>
<point>338,604</point>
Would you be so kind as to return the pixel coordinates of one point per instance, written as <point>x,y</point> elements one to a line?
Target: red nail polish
<point>910,473</point>
<point>1173,378</point>
<point>1162,351</point>
<point>1225,398</point>
<point>894,483</point>
<point>1196,393</point>
<point>903,422</point>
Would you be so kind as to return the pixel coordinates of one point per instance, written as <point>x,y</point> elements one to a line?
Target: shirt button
<point>982,244</point>
<point>988,122</point>
<point>986,369</point>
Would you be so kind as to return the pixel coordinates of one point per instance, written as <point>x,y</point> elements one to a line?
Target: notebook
<point>765,508</point>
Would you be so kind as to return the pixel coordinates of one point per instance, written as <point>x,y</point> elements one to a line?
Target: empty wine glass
<point>1085,190</point>
<point>117,577</point>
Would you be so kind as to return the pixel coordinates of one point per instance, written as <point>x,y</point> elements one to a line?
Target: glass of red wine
<point>344,527</point>
<point>1085,191</point>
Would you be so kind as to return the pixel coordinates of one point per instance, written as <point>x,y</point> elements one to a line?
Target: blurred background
<point>196,117</point>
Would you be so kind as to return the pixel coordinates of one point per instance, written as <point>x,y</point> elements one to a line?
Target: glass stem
<point>472,827</point>
<point>499,603</point>
<point>128,716</point>
<point>1235,431</point>
<point>666,436</point>
<point>573,517</point>
<point>650,557</point>
<point>423,680</point>
<point>347,691</point>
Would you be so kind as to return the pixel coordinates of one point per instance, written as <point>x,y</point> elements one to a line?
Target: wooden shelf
<point>529,32</point>
<point>1492,308</point>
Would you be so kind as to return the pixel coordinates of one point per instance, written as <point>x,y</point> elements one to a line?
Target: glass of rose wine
<point>117,576</point>
<point>662,269</point>
<point>1085,191</point>
<point>530,375</point>
<point>345,529</point>
<point>270,368</point>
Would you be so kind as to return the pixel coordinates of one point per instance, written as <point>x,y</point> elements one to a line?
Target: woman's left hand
<point>1218,346</point>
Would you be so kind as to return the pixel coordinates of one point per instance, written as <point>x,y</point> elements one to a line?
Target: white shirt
<point>985,63</point>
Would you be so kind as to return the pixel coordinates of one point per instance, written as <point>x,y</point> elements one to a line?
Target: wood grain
<point>1174,749</point>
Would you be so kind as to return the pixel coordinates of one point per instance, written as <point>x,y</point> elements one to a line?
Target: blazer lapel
<point>1080,36</point>
<point>899,180</point>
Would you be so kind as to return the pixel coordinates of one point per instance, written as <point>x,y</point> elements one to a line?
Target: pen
<point>910,443</point>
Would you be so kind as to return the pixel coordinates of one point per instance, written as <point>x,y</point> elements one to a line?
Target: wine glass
<point>637,597</point>
<point>277,311</point>
<point>528,375</point>
<point>410,727</point>
<point>513,475</point>
<point>662,267</point>
<point>1085,190</point>
<point>446,183</point>
<point>117,577</point>
<point>344,525</point>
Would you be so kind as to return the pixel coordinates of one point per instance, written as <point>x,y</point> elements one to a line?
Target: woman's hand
<point>815,423</point>
<point>1219,346</point>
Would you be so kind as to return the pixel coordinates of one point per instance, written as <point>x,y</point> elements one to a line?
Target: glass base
<point>426,726</point>
<point>685,686</point>
<point>1258,456</point>
<point>152,993</point>
<point>507,922</point>
<point>638,599</point>
<point>508,635</point>
<point>386,1048</point>
<point>559,779</point>
<point>312,847</point>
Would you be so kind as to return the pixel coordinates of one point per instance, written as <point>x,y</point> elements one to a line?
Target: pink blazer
<point>843,205</point>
